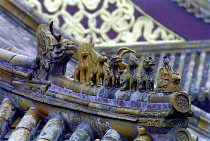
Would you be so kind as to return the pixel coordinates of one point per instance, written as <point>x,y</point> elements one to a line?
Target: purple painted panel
<point>176,18</point>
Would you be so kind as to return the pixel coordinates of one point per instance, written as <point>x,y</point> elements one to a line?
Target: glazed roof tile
<point>15,34</point>
<point>31,119</point>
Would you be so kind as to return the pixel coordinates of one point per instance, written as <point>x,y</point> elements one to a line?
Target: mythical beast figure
<point>146,81</point>
<point>130,80</point>
<point>81,69</point>
<point>100,71</point>
<point>91,67</point>
<point>53,53</point>
<point>117,66</point>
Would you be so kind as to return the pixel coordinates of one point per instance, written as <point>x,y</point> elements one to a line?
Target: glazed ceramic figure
<point>81,71</point>
<point>117,65</point>
<point>167,79</point>
<point>130,81</point>
<point>146,81</point>
<point>53,53</point>
<point>97,74</point>
<point>143,135</point>
<point>109,78</point>
<point>101,69</point>
<point>91,67</point>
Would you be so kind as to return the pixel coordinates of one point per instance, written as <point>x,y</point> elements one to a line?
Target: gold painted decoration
<point>164,123</point>
<point>167,79</point>
<point>143,135</point>
<point>180,134</point>
<point>101,21</point>
<point>91,67</point>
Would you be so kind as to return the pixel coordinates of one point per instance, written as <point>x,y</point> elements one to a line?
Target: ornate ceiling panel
<point>102,22</point>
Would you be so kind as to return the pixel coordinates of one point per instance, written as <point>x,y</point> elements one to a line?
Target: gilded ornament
<point>167,79</point>
<point>180,134</point>
<point>121,20</point>
<point>91,67</point>
<point>143,135</point>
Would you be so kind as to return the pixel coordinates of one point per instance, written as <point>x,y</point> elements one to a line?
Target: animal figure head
<point>102,57</point>
<point>133,61</point>
<point>52,53</point>
<point>50,46</point>
<point>175,78</point>
<point>149,62</point>
<point>117,61</point>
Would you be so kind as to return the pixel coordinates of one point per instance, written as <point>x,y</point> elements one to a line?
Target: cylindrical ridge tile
<point>6,111</point>
<point>30,119</point>
<point>111,135</point>
<point>52,130</point>
<point>27,123</point>
<point>20,134</point>
<point>42,140</point>
<point>83,132</point>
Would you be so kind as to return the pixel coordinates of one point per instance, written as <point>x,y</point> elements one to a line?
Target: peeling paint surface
<point>51,130</point>
<point>28,121</point>
<point>99,124</point>
<point>20,134</point>
<point>83,132</point>
<point>73,117</point>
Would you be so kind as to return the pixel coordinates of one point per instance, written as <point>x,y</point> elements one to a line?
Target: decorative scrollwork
<point>92,20</point>
<point>164,122</point>
<point>182,102</point>
<point>181,136</point>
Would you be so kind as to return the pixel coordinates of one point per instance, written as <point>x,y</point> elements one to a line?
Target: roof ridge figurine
<point>117,66</point>
<point>131,80</point>
<point>167,79</point>
<point>53,53</point>
<point>146,81</point>
<point>91,67</point>
<point>90,106</point>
